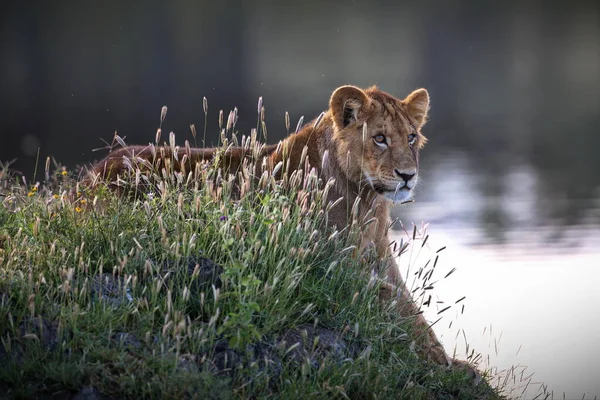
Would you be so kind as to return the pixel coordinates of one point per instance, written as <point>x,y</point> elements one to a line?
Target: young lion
<point>369,142</point>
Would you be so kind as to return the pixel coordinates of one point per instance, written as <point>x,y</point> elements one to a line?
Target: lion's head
<point>385,155</point>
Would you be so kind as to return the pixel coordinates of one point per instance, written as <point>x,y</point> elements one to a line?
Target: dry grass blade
<point>318,120</point>
<point>444,309</point>
<point>450,273</point>
<point>300,123</point>
<point>287,121</point>
<point>120,141</point>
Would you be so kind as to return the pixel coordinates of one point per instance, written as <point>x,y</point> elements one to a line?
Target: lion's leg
<point>427,344</point>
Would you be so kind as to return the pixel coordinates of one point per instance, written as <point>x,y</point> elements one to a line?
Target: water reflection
<point>517,208</point>
<point>530,283</point>
<point>521,311</point>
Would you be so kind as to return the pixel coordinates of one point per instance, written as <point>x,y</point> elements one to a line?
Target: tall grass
<point>199,284</point>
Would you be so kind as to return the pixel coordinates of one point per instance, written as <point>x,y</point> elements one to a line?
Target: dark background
<point>514,84</point>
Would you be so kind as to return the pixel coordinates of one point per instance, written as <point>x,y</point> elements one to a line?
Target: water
<point>524,312</point>
<point>531,294</point>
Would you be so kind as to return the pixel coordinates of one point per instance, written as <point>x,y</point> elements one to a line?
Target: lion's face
<point>378,138</point>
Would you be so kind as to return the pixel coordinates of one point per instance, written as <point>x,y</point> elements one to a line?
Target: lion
<point>368,142</point>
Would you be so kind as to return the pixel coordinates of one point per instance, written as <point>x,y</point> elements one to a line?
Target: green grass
<point>110,291</point>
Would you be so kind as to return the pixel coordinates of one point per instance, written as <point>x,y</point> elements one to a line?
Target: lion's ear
<point>346,103</point>
<point>417,105</point>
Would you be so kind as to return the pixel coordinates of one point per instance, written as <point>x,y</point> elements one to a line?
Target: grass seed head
<point>300,123</point>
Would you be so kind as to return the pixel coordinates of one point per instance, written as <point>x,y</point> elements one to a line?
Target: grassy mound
<point>212,287</point>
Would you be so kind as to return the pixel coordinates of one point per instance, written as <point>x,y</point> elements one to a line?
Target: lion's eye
<point>412,138</point>
<point>380,139</point>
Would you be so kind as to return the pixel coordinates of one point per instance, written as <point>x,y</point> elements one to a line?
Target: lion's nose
<point>405,177</point>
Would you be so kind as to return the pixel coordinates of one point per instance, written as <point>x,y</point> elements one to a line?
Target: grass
<point>193,291</point>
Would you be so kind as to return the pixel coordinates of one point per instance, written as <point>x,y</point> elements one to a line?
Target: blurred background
<point>510,178</point>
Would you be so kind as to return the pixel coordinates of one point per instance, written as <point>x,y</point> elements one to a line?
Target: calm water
<point>532,300</point>
<point>511,176</point>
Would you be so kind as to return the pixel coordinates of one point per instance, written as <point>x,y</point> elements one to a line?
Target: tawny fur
<point>361,167</point>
